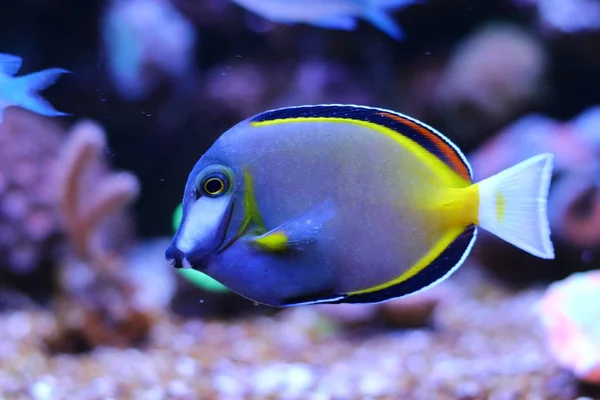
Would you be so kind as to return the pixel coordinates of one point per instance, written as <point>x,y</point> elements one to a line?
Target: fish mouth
<point>179,260</point>
<point>199,259</point>
<point>176,257</point>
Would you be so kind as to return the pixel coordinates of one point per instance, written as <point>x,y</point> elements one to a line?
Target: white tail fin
<point>512,205</point>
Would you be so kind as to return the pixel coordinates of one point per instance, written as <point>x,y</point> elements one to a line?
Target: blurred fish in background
<point>147,41</point>
<point>331,14</point>
<point>23,91</point>
<point>566,16</point>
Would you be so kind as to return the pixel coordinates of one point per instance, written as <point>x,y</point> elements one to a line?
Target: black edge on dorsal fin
<point>441,268</point>
<point>319,111</point>
<point>424,135</point>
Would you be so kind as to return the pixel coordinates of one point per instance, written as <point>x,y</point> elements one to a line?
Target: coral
<point>569,313</point>
<point>29,222</point>
<point>239,90</point>
<point>95,303</point>
<point>491,77</point>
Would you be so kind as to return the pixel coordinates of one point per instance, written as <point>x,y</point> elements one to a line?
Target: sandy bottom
<point>485,344</point>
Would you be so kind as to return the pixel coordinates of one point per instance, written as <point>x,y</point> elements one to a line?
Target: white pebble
<point>178,388</point>
<point>299,379</point>
<point>102,387</point>
<point>267,380</point>
<point>185,366</point>
<point>227,385</point>
<point>154,393</point>
<point>18,325</point>
<point>373,385</point>
<point>41,390</point>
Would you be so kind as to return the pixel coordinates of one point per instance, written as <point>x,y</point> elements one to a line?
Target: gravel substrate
<point>485,344</point>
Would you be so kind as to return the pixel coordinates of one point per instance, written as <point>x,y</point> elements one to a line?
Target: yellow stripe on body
<point>439,247</point>
<point>460,201</point>
<point>463,207</point>
<point>438,166</point>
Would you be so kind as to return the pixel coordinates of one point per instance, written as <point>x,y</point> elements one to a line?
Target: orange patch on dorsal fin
<point>433,142</point>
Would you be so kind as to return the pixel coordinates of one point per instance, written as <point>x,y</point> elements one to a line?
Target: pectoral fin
<point>297,233</point>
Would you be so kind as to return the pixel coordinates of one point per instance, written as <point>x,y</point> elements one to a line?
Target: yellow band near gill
<point>251,213</point>
<point>448,175</point>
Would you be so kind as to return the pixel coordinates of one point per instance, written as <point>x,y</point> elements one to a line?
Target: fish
<point>330,14</point>
<point>147,35</point>
<point>347,204</point>
<point>23,91</point>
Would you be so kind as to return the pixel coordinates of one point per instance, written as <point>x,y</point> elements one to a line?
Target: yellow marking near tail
<point>455,207</point>
<point>500,206</point>
<point>455,210</point>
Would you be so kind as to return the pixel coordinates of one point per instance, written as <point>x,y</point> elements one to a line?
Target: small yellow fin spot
<point>276,241</point>
<point>500,206</point>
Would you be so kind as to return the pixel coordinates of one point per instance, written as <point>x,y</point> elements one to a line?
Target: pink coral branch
<point>113,193</point>
<point>83,214</point>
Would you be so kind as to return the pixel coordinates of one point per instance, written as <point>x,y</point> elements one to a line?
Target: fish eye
<point>214,184</point>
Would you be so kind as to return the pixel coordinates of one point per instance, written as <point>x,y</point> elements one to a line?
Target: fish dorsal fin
<point>420,133</point>
<point>9,64</point>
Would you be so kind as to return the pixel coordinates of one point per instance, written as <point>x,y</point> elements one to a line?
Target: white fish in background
<point>331,14</point>
<point>23,91</point>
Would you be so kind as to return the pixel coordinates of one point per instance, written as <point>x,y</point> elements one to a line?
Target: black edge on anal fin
<point>427,137</point>
<point>439,269</point>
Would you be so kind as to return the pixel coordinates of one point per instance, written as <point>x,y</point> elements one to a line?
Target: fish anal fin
<point>435,272</point>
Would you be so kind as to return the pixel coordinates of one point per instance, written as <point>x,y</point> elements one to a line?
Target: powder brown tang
<point>343,203</point>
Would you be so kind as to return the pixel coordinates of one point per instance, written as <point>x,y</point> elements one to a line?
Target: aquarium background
<point>91,310</point>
